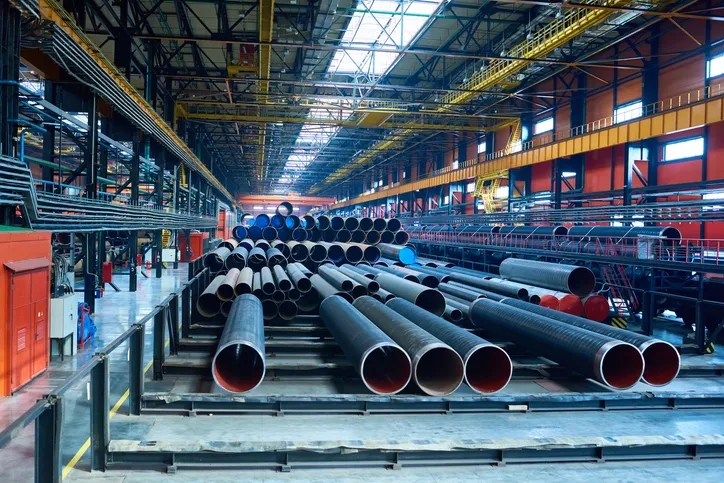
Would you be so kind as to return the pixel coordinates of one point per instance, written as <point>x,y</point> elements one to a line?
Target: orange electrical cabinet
<point>24,306</point>
<point>197,245</point>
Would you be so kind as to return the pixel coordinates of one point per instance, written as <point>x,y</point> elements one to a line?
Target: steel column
<point>135,370</point>
<point>158,234</point>
<point>100,418</point>
<point>48,433</point>
<point>133,235</point>
<point>159,343</point>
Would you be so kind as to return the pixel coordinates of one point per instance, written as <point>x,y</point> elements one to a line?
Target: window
<point>688,148</point>
<point>516,147</point>
<point>638,153</point>
<point>383,24</point>
<point>481,146</point>
<point>714,196</point>
<point>629,111</point>
<point>568,174</point>
<point>544,125</point>
<point>455,165</point>
<point>470,187</point>
<point>446,200</point>
<point>715,66</point>
<point>502,192</point>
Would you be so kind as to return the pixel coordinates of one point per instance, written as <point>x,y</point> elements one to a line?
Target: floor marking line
<point>81,451</point>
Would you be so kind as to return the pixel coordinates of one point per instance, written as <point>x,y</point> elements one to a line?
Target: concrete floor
<point>114,314</point>
<point>117,311</point>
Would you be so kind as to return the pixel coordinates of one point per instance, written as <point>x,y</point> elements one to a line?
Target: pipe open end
<point>488,369</point>
<point>662,363</point>
<point>304,285</point>
<point>299,234</point>
<point>549,302</point>
<point>430,281</point>
<point>287,310</point>
<point>241,289</point>
<point>225,292</point>
<point>407,255</point>
<point>393,224</point>
<point>533,298</point>
<point>347,285</point>
<point>379,224</point>
<point>571,304</point>
<point>365,224</point>
<point>308,301</point>
<point>622,365</point>
<point>335,253</point>
<point>238,367</point>
<point>386,369</point>
<point>372,254</point>
<point>278,296</point>
<point>294,294</point>
<point>373,237</point>
<point>268,288</point>
<point>322,223</point>
<point>454,314</point>
<point>343,236</point>
<point>402,237</point>
<point>208,304</point>
<point>359,291</point>
<point>318,253</point>
<point>225,308</point>
<point>346,295</point>
<point>373,287</point>
<point>358,236</point>
<point>432,301</point>
<point>353,254</point>
<point>269,308</point>
<point>299,253</point>
<point>581,281</point>
<point>440,371</point>
<point>285,285</point>
<point>351,224</point>
<point>336,223</point>
<point>387,237</point>
<point>596,308</point>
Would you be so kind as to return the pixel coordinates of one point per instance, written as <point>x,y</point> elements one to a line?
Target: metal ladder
<point>621,293</point>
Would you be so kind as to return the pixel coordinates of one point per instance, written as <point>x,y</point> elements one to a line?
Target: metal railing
<point>47,413</point>
<point>699,254</point>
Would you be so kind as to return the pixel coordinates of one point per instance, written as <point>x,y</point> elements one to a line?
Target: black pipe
<point>335,278</point>
<point>358,236</point>
<point>254,232</point>
<point>282,247</point>
<point>441,277</point>
<point>278,296</point>
<point>387,237</point>
<point>394,225</point>
<point>301,282</point>
<point>335,252</point>
<point>214,260</point>
<point>462,293</point>
<point>229,243</point>
<point>427,298</point>
<point>336,223</point>
<point>237,258</point>
<point>244,282</point>
<point>270,309</point>
<point>383,366</point>
<point>247,243</point>
<point>275,257</point>
<point>282,281</point>
<point>329,236</point>
<point>263,244</point>
<point>262,220</point>
<point>322,223</point>
<point>436,368</point>
<point>488,368</point>
<point>292,222</point>
<point>343,236</point>
<point>226,307</point>
<point>403,254</point>
<point>480,282</point>
<point>269,233</point>
<point>239,363</point>
<point>267,281</point>
<point>256,287</point>
<point>361,269</point>
<point>208,304</point>
<point>308,301</point>
<point>300,234</point>
<point>351,224</point>
<point>401,238</point>
<point>287,310</point>
<point>383,295</point>
<point>239,232</point>
<point>257,259</point>
<point>278,221</point>
<point>371,285</point>
<point>294,294</point>
<point>317,251</point>
<point>452,313</point>
<point>285,208</point>
<point>609,361</point>
<point>662,360</point>
<point>298,251</point>
<point>225,291</point>
<point>485,293</point>
<point>424,278</point>
<point>352,253</point>
<point>372,237</point>
<point>568,278</point>
<point>379,224</point>
<point>325,289</point>
<point>365,224</point>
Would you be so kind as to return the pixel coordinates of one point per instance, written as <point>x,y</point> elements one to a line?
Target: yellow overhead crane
<point>499,72</point>
<point>487,193</point>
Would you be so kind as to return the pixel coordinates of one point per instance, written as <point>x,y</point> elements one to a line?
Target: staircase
<point>621,294</point>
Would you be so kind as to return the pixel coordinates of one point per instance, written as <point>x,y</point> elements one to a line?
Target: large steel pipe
<point>394,225</point>
<point>325,289</point>
<point>276,257</point>
<point>239,363</point>
<point>371,285</point>
<point>459,292</point>
<point>488,368</point>
<point>287,309</point>
<point>404,254</point>
<point>568,278</point>
<point>228,284</point>
<point>257,258</point>
<point>214,260</point>
<point>278,221</point>
<point>336,278</point>
<point>595,307</point>
<point>237,258</point>
<point>436,368</point>
<point>372,237</point>
<point>329,236</point>
<point>379,224</point>
<point>269,233</point>
<point>358,236</point>
<point>352,253</point>
<point>365,224</point>
<point>263,244</point>
<point>285,208</point>
<point>282,247</point>
<point>322,223</point>
<point>611,362</point>
<point>247,243</point>
<point>387,237</point>
<point>281,278</point>
<point>270,309</point>
<point>308,301</point>
<point>343,236</point>
<point>485,293</point>
<point>292,222</point>
<point>351,224</point>
<point>284,234</point>
<point>462,305</point>
<point>301,282</point>
<point>424,278</point>
<point>230,243</point>
<point>256,287</point>
<point>563,301</point>
<point>485,284</point>
<point>244,282</point>
<point>383,366</point>
<point>298,251</point>
<point>208,304</point>
<point>267,281</point>
<point>441,277</point>
<point>262,221</point>
<point>383,295</point>
<point>239,232</point>
<point>336,223</point>
<point>335,252</point>
<point>662,360</point>
<point>300,234</point>
<point>427,298</point>
<point>254,232</point>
